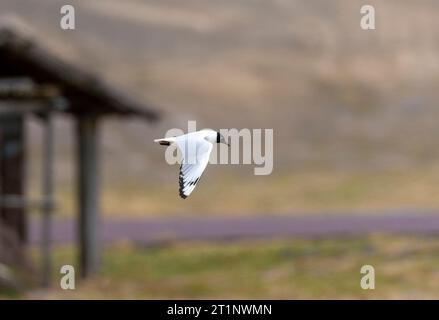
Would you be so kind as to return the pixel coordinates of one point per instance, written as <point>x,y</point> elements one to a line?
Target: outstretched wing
<point>195,157</point>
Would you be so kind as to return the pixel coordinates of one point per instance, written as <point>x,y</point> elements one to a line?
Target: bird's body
<point>195,148</point>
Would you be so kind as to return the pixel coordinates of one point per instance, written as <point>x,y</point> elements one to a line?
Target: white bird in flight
<point>195,148</point>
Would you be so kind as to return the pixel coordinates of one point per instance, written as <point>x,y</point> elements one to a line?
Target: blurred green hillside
<point>353,107</point>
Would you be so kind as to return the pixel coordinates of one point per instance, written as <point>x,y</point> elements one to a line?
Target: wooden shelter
<point>32,80</point>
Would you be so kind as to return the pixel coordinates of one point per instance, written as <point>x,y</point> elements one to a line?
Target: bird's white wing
<point>195,157</point>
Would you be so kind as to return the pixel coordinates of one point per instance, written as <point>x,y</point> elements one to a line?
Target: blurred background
<point>354,116</point>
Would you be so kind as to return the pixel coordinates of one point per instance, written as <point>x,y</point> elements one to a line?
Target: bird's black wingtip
<point>180,190</point>
<point>182,195</point>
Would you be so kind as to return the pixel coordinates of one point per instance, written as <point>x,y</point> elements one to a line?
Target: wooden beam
<point>47,208</point>
<point>23,88</point>
<point>88,191</point>
<point>12,175</point>
<point>15,201</point>
<point>21,107</point>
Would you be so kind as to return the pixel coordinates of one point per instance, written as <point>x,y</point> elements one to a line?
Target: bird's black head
<point>220,139</point>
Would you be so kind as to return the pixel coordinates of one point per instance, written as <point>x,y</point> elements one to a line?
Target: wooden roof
<point>25,56</point>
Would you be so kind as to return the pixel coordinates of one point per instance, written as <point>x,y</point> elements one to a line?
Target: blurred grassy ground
<point>284,193</point>
<point>405,267</point>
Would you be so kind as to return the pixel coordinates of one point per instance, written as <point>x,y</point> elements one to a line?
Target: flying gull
<point>195,148</point>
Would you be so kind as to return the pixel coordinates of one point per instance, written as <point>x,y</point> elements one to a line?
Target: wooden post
<point>12,175</point>
<point>47,208</point>
<point>88,191</point>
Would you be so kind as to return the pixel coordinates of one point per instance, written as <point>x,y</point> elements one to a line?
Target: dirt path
<point>151,231</point>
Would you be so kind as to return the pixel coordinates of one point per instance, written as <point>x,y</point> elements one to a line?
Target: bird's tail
<point>165,141</point>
